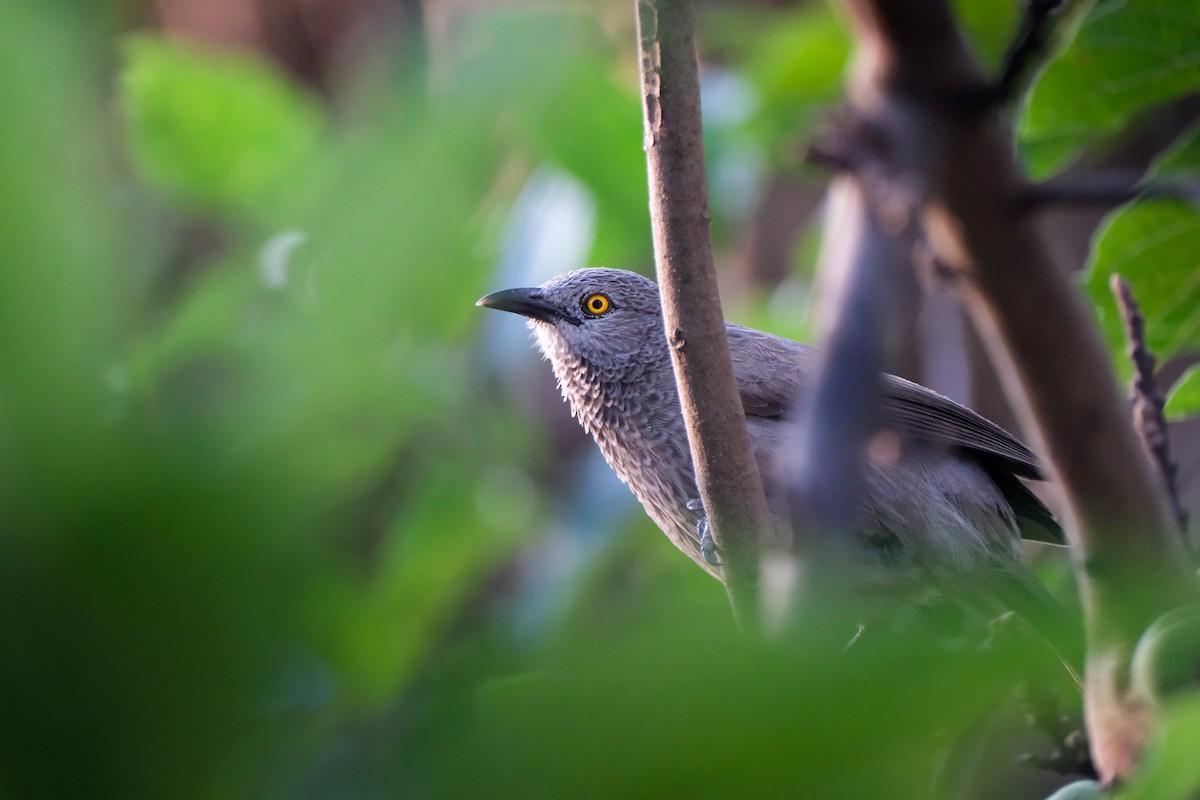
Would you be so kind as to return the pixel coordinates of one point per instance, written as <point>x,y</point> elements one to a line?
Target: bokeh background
<point>282,514</point>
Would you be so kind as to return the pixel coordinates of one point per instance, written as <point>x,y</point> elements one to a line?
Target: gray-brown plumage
<point>943,503</point>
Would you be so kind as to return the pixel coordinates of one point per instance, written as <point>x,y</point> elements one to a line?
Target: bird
<point>947,508</point>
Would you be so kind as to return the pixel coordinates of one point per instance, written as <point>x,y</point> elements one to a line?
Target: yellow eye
<point>596,304</point>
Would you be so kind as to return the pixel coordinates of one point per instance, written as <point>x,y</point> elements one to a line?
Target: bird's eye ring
<point>596,304</point>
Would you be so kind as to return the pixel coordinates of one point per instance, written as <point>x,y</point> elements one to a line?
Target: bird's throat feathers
<point>582,383</point>
<point>599,390</point>
<point>630,406</point>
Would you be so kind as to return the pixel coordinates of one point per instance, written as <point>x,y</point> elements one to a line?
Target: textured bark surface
<point>915,79</point>
<point>726,472</point>
<point>1148,401</point>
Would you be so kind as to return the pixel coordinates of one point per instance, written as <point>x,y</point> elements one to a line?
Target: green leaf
<point>1184,399</point>
<point>132,557</point>
<point>217,129</point>
<point>572,112</point>
<point>797,65</point>
<point>1155,245</point>
<point>1125,58</point>
<point>990,25</point>
<point>1182,158</point>
<point>1171,769</point>
<point>1043,157</point>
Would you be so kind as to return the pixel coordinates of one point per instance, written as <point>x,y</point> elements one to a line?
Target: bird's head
<point>601,316</point>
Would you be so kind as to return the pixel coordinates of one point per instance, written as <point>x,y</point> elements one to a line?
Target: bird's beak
<point>527,303</point>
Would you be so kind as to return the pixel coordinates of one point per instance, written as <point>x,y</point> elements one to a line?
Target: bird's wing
<point>770,370</point>
<point>914,410</point>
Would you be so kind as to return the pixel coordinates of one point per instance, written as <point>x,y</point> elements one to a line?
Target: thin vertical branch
<point>726,473</point>
<point>1148,402</point>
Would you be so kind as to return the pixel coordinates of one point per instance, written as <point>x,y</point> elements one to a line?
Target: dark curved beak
<point>527,303</point>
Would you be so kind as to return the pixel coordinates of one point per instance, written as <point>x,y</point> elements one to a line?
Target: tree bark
<point>915,78</point>
<point>726,473</point>
<point>824,459</point>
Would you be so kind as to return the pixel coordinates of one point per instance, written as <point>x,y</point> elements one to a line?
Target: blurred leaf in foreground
<point>678,704</point>
<point>1171,770</point>
<point>219,129</point>
<point>134,558</point>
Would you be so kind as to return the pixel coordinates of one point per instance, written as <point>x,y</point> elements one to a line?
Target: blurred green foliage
<point>1184,399</point>
<point>1120,63</point>
<point>260,501</point>
<point>1154,244</point>
<point>132,556</point>
<point>222,130</point>
<point>1171,770</point>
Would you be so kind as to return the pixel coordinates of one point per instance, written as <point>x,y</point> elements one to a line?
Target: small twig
<point>1106,189</point>
<point>1030,43</point>
<point>1148,402</point>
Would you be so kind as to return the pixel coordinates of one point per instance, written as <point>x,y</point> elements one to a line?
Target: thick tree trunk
<point>915,81</point>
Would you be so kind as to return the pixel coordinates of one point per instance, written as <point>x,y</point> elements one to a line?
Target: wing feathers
<point>770,370</point>
<point>920,412</point>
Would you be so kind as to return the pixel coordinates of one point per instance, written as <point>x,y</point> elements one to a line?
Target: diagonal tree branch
<point>1030,43</point>
<point>1128,560</point>
<point>726,473</point>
